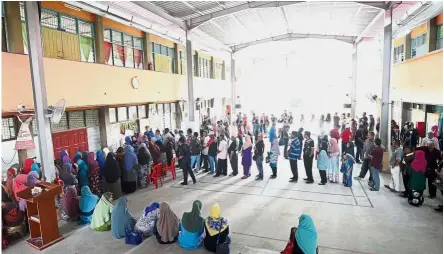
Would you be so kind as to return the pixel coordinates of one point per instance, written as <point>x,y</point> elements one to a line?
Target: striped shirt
<point>295,149</point>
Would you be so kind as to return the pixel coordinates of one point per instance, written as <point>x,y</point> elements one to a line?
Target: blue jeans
<point>260,166</point>
<point>375,175</point>
<point>213,163</point>
<point>195,159</point>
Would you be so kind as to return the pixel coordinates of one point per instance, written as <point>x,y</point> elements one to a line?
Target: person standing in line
<point>285,138</point>
<point>359,143</point>
<point>259,156</point>
<point>371,126</point>
<point>212,152</point>
<point>431,138</point>
<point>274,155</point>
<point>345,137</point>
<point>376,164</point>
<point>294,153</point>
<point>204,141</point>
<point>195,152</point>
<point>246,156</point>
<point>334,133</point>
<point>333,158</point>
<point>301,140</point>
<point>290,118</point>
<point>369,146</point>
<point>232,153</point>
<point>245,122</point>
<point>336,121</point>
<point>323,160</point>
<point>395,183</point>
<point>222,157</point>
<point>185,159</point>
<point>308,157</point>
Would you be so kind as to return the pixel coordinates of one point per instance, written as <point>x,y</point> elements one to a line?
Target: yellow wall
<point>418,30</point>
<point>398,42</point>
<point>85,84</point>
<point>419,79</point>
<point>160,40</point>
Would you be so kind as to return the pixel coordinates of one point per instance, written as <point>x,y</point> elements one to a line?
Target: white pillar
<point>354,78</point>
<point>190,75</point>
<point>386,69</point>
<point>233,88</point>
<point>39,89</point>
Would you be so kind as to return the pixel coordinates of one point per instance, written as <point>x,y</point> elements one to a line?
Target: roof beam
<point>379,4</point>
<point>161,13</point>
<point>293,36</point>
<point>284,15</point>
<point>195,22</point>
<point>369,26</point>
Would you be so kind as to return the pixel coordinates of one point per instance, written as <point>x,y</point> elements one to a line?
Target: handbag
<point>222,248</point>
<point>290,244</point>
<point>132,237</point>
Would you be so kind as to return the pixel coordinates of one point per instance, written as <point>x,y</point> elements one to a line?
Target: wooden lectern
<point>42,215</point>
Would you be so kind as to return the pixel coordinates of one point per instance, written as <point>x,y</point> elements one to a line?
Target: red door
<point>72,140</point>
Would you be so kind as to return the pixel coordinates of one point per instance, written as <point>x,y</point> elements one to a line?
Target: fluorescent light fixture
<point>72,7</point>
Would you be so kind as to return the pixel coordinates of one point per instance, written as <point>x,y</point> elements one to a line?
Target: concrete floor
<point>261,213</point>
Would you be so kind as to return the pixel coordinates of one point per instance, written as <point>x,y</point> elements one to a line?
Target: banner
<point>24,137</point>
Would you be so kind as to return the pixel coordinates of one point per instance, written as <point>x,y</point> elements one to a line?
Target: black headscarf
<point>144,156</point>
<point>112,169</point>
<point>161,146</point>
<point>66,176</point>
<point>85,157</point>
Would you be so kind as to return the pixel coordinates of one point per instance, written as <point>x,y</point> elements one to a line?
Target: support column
<point>99,40</point>
<point>39,89</point>
<point>14,27</point>
<point>176,60</point>
<point>190,77</point>
<point>386,69</point>
<point>233,87</point>
<point>354,79</point>
<point>103,124</point>
<point>147,52</point>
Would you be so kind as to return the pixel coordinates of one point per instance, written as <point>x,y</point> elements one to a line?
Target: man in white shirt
<point>430,138</point>
<point>222,157</point>
<point>204,156</point>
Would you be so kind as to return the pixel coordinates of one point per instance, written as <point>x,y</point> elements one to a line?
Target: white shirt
<point>205,149</point>
<point>426,140</point>
<point>222,150</point>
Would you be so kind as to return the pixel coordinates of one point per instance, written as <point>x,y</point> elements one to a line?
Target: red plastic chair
<point>171,168</point>
<point>156,174</point>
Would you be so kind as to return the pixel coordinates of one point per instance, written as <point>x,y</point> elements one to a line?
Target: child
<point>347,169</point>
<point>376,164</point>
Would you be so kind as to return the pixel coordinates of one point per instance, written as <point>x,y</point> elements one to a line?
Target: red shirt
<point>346,135</point>
<point>376,161</point>
<point>335,134</point>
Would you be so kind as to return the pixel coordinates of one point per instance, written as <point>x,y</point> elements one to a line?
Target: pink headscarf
<point>334,148</point>
<point>19,184</point>
<point>419,164</point>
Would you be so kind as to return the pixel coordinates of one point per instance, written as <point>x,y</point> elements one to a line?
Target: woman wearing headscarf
<point>27,167</point>
<point>154,151</point>
<point>306,236</point>
<point>13,219</point>
<point>112,175</point>
<point>32,179</point>
<point>145,164</point>
<point>121,219</point>
<point>129,175</point>
<point>94,175</point>
<point>169,147</point>
<point>105,152</point>
<point>167,226</point>
<point>148,219</point>
<point>87,203</point>
<point>274,155</point>
<point>246,156</point>
<point>347,169</point>
<point>62,155</point>
<point>119,157</point>
<point>192,228</point>
<point>66,176</point>
<point>77,157</point>
<point>101,218</point>
<point>323,160</point>
<point>216,229</point>
<point>417,184</point>
<point>69,203</point>
<point>83,174</point>
<point>35,167</point>
<point>19,184</point>
<point>162,154</point>
<point>101,160</point>
<point>333,157</point>
<point>10,175</point>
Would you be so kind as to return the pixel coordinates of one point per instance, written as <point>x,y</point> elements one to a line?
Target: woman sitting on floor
<point>167,226</point>
<point>192,228</point>
<point>101,219</point>
<point>121,219</point>
<point>87,203</point>
<point>216,229</point>
<point>13,219</point>
<point>148,219</point>
<point>306,236</point>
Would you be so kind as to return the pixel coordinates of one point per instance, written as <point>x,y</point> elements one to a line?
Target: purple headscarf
<point>32,179</point>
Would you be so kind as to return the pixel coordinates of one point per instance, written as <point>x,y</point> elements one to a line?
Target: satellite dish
<point>55,112</point>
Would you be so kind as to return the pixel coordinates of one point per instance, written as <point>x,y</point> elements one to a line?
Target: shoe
<point>206,171</point>
<point>358,178</point>
<point>310,182</point>
<point>273,177</point>
<point>373,189</point>
<point>224,174</point>
<point>305,179</point>
<point>293,181</point>
<point>259,178</point>
<point>244,177</point>
<point>432,197</point>
<point>321,183</point>
<point>291,178</point>
<point>216,175</point>
<point>194,182</point>
<point>370,184</point>
<point>439,208</point>
<point>183,184</point>
<point>388,187</point>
